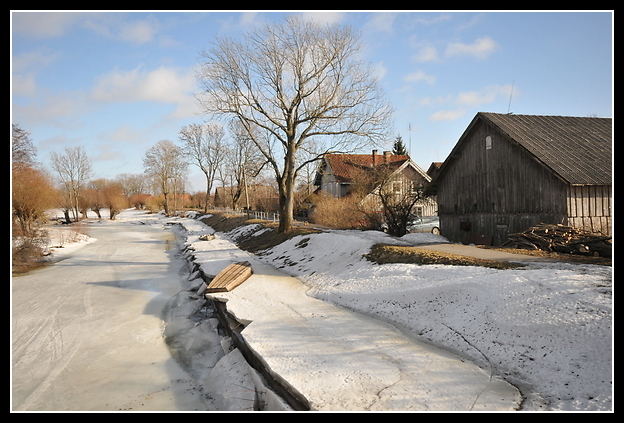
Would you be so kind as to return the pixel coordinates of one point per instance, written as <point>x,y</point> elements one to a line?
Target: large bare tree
<point>165,163</point>
<point>290,86</point>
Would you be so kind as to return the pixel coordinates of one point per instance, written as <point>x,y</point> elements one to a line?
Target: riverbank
<point>545,327</point>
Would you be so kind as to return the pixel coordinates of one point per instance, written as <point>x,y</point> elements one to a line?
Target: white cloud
<point>139,32</point>
<point>24,85</point>
<point>465,100</point>
<point>323,17</point>
<point>43,24</point>
<point>447,115</point>
<point>426,54</point>
<point>487,95</point>
<point>380,71</point>
<point>480,49</point>
<point>163,85</point>
<point>382,22</point>
<point>24,70</point>
<point>116,26</point>
<point>420,76</point>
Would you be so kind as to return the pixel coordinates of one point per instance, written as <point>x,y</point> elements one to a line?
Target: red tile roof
<point>345,166</point>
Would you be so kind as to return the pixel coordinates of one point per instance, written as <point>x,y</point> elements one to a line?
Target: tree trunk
<point>166,205</point>
<point>287,190</point>
<point>286,205</point>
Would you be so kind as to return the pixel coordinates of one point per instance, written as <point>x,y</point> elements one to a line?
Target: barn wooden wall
<point>589,207</point>
<point>496,188</point>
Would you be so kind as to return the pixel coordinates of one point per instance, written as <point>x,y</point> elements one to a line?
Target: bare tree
<point>131,183</point>
<point>381,189</point>
<point>32,193</point>
<point>165,163</point>
<point>22,149</point>
<point>74,170</point>
<point>242,163</point>
<point>292,83</point>
<point>205,146</point>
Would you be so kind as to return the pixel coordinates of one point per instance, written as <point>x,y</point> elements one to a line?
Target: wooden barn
<point>510,172</point>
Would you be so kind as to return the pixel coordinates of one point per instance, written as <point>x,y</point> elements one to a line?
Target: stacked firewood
<point>562,239</point>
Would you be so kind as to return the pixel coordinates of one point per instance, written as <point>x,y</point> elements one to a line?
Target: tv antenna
<point>510,95</point>
<point>410,137</point>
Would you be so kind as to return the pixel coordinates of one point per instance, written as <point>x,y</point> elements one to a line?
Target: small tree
<point>241,165</point>
<point>32,194</point>
<point>22,149</point>
<point>165,163</point>
<point>399,148</point>
<point>388,196</point>
<point>205,146</point>
<point>114,199</point>
<point>74,169</point>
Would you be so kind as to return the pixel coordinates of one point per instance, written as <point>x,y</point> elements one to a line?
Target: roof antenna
<point>410,138</point>
<point>510,95</point>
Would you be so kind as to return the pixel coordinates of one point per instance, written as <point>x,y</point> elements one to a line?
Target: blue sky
<point>116,83</point>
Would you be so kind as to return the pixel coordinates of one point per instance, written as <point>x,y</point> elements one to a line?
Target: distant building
<point>258,197</point>
<point>337,174</point>
<point>510,172</point>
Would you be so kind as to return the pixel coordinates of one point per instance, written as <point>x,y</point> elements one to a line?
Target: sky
<point>117,82</point>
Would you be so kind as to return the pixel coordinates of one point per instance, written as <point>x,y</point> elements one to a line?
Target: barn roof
<point>578,149</point>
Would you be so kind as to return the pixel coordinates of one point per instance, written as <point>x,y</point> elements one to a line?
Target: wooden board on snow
<point>230,277</point>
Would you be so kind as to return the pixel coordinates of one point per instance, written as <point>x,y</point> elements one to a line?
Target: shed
<point>510,172</point>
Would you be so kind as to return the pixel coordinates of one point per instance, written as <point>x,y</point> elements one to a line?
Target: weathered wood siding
<point>589,208</point>
<point>494,187</point>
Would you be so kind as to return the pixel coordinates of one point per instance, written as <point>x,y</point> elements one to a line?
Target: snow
<point>546,327</point>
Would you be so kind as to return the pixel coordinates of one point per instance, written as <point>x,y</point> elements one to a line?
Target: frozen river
<point>87,332</point>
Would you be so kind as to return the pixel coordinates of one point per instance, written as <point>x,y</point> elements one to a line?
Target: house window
<point>396,187</point>
<point>488,142</point>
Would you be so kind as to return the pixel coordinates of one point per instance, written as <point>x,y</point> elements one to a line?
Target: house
<point>338,174</point>
<point>510,172</point>
<point>433,170</point>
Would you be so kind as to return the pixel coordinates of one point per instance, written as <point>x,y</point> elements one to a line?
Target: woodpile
<point>562,239</point>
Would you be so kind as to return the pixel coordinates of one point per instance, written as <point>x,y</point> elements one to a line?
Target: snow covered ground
<point>546,327</point>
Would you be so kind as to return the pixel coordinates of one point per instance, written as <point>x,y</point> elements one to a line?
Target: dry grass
<point>224,222</point>
<point>383,253</point>
<point>572,258</point>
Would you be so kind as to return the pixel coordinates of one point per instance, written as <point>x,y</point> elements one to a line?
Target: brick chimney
<point>387,155</point>
<point>374,157</point>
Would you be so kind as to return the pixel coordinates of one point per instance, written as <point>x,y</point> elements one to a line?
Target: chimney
<point>374,157</point>
<point>387,155</point>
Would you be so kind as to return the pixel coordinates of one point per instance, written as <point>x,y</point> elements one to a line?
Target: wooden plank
<point>230,277</point>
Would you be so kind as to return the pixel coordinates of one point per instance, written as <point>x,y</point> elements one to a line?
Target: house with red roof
<point>338,174</point>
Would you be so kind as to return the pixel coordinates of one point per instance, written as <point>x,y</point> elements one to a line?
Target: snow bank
<point>546,327</point>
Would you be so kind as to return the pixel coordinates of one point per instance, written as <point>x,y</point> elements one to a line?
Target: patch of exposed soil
<point>384,253</point>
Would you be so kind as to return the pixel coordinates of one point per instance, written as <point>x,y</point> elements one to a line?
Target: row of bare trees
<point>289,94</point>
<point>69,187</point>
